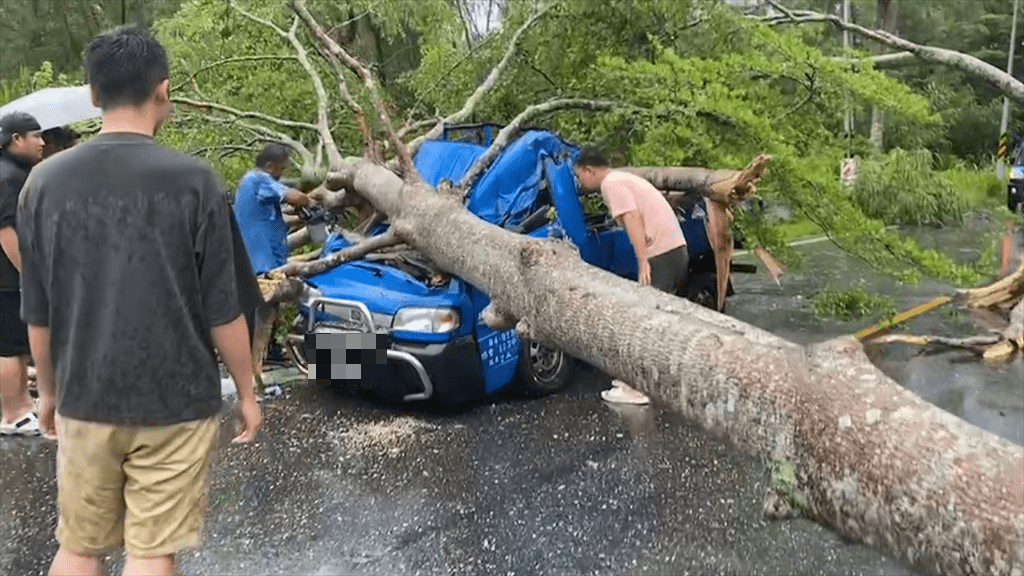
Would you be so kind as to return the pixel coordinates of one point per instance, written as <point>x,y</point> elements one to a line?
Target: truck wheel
<point>543,370</point>
<point>703,289</point>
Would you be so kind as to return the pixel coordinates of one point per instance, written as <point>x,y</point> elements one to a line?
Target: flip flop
<point>618,395</point>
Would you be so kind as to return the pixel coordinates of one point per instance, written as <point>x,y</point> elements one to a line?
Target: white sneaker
<point>28,425</point>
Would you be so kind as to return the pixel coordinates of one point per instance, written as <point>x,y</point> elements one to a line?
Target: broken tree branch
<point>328,43</point>
<point>512,129</point>
<point>346,96</point>
<point>894,60</point>
<point>437,82</point>
<point>411,127</point>
<point>354,252</point>
<point>243,113</point>
<point>727,187</point>
<point>1006,83</point>
<point>192,76</point>
<point>997,345</point>
<point>971,342</point>
<point>492,79</point>
<point>323,125</point>
<point>1001,291</point>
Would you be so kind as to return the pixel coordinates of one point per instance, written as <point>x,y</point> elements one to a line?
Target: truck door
<point>499,349</point>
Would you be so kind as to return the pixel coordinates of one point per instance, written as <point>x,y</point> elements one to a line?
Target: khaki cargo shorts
<point>142,487</point>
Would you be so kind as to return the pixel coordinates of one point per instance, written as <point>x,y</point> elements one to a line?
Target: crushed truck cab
<point>399,331</point>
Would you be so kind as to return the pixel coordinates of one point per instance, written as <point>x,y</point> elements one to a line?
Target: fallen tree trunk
<point>872,459</point>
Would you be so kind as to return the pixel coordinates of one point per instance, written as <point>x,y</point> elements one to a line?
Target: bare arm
<point>9,243</point>
<point>635,230</point>
<point>296,198</point>
<point>634,226</point>
<point>232,341</point>
<point>39,343</point>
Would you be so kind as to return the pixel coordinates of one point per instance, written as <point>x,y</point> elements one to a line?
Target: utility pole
<point>1004,138</point>
<point>848,119</point>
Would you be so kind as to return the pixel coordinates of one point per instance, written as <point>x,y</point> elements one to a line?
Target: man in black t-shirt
<point>129,285</point>
<point>21,147</point>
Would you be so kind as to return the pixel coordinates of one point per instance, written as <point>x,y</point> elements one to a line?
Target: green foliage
<point>27,81</point>
<point>37,31</point>
<point>701,85</point>
<point>204,33</point>
<point>593,204</point>
<point>851,304</point>
<point>784,483</point>
<point>306,249</point>
<point>978,187</point>
<point>286,315</point>
<point>902,188</point>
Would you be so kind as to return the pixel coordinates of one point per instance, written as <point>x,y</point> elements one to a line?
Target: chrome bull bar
<point>354,316</point>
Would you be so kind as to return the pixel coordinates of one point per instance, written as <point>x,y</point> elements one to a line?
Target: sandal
<point>619,395</point>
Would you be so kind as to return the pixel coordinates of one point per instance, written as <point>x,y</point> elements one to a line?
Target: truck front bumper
<point>449,373</point>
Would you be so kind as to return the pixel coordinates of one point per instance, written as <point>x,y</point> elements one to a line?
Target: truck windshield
<point>1020,155</point>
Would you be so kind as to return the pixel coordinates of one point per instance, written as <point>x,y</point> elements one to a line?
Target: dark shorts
<point>13,332</point>
<point>668,270</point>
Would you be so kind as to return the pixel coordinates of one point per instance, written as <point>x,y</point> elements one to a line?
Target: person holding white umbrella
<point>21,148</point>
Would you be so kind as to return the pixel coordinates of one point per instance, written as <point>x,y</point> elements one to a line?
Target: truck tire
<point>543,370</point>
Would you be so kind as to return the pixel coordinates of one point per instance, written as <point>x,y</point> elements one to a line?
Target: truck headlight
<point>1017,173</point>
<point>434,320</point>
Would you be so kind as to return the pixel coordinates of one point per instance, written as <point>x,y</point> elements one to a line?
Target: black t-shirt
<point>13,172</point>
<point>127,255</point>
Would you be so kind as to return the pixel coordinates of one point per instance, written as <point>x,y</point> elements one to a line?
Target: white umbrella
<point>56,106</point>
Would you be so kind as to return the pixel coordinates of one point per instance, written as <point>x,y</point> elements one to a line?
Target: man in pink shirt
<point>653,230</point>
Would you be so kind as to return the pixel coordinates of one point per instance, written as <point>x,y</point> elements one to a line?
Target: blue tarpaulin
<point>506,193</point>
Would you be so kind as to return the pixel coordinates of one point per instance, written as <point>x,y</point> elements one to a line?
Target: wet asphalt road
<point>338,484</point>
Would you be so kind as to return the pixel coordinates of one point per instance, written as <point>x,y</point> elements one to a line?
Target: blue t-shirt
<point>258,211</point>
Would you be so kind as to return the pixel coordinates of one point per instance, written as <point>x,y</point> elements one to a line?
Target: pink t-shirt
<point>624,192</point>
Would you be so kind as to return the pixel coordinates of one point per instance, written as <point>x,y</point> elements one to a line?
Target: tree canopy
<point>696,82</point>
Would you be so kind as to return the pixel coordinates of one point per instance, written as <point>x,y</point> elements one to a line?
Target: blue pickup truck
<point>426,334</point>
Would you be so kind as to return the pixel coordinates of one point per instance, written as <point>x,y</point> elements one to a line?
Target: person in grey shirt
<point>129,286</point>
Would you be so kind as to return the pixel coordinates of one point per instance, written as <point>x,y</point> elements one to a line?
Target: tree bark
<point>872,459</point>
<point>727,187</point>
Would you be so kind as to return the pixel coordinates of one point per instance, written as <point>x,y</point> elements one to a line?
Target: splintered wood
<point>270,283</point>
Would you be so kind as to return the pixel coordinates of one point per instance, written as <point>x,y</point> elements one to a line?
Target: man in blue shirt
<point>258,209</point>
